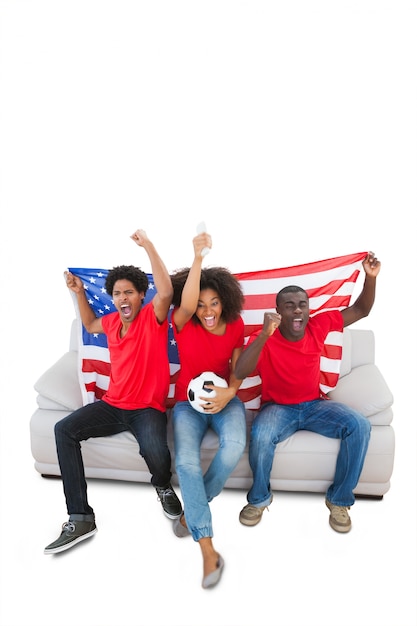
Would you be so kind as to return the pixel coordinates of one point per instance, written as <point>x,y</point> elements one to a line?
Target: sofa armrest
<point>365,390</point>
<point>60,384</point>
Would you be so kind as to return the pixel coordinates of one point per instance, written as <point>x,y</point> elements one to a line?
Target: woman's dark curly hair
<point>127,272</point>
<point>218,279</point>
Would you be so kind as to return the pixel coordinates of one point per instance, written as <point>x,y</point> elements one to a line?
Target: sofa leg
<point>50,476</point>
<point>367,496</point>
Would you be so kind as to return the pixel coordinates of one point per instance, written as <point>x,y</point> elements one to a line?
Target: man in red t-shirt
<point>137,338</point>
<point>286,353</point>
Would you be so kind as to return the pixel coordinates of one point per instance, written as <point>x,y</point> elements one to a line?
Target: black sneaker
<point>169,500</point>
<point>72,533</point>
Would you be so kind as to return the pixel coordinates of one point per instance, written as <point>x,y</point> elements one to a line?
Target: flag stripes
<point>329,284</point>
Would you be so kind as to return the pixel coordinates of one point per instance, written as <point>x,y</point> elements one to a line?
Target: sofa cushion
<point>365,390</point>
<point>49,405</point>
<point>59,383</point>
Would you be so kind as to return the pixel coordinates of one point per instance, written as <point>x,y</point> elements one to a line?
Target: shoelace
<point>340,512</point>
<point>165,493</point>
<point>68,527</point>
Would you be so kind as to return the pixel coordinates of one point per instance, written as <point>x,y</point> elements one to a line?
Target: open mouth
<point>297,323</point>
<point>126,310</point>
<point>210,321</point>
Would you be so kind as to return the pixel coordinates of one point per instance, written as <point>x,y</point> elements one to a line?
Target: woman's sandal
<point>213,578</point>
<point>179,529</point>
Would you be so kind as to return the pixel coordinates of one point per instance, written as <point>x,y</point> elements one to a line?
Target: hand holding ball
<point>197,387</point>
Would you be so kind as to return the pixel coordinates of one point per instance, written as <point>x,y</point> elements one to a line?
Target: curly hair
<point>127,272</point>
<point>218,279</point>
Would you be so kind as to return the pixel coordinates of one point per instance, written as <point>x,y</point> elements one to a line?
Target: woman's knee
<point>234,448</point>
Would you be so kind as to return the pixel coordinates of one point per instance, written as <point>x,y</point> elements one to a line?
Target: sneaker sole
<point>339,529</point>
<point>247,522</point>
<point>69,545</point>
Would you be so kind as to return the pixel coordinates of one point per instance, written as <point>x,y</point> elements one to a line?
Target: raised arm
<point>91,323</point>
<point>191,290</point>
<point>164,291</point>
<point>248,359</point>
<point>365,301</point>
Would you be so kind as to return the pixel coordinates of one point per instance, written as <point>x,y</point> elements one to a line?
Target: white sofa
<point>304,462</point>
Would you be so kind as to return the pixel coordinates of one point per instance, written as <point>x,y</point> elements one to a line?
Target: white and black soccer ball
<point>197,387</point>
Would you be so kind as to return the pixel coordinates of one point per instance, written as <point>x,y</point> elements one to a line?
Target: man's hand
<point>74,282</point>
<point>271,323</point>
<point>371,265</point>
<point>139,237</point>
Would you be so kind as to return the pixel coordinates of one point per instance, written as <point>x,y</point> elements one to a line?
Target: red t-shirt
<point>139,375</point>
<point>290,370</point>
<point>202,351</point>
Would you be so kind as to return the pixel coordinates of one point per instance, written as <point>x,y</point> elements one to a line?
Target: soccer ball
<point>197,387</point>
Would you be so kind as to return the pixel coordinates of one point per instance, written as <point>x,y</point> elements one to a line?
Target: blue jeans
<point>277,422</point>
<point>99,419</point>
<point>197,490</point>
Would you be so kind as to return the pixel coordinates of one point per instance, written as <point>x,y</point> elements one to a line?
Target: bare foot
<point>210,563</point>
<point>209,554</point>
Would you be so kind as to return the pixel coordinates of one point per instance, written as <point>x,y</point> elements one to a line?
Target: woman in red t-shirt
<point>208,329</point>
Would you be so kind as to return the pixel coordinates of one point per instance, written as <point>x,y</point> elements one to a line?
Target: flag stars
<point>92,280</point>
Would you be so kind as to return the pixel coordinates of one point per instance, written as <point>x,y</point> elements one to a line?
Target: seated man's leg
<point>92,420</point>
<point>273,423</point>
<point>97,419</point>
<point>149,427</point>
<point>338,421</point>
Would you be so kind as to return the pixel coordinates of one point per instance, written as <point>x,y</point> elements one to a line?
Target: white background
<point>290,128</point>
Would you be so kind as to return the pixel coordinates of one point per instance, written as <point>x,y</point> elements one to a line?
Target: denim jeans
<point>99,419</point>
<point>197,490</point>
<point>276,422</point>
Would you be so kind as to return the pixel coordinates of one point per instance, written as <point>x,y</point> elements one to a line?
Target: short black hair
<point>289,289</point>
<point>127,272</point>
<point>221,280</point>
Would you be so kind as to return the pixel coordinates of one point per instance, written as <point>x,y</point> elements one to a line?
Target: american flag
<point>329,283</point>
